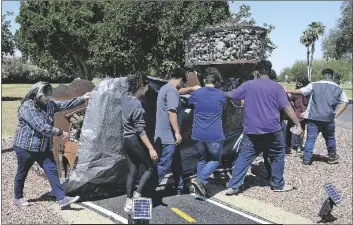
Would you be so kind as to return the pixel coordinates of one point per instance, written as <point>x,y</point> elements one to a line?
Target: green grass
<point>347,88</point>
<point>9,117</point>
<point>17,90</point>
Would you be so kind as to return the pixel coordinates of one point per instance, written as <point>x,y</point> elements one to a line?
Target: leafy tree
<point>308,39</point>
<point>298,69</point>
<point>58,32</point>
<point>7,43</point>
<point>111,37</point>
<point>338,43</point>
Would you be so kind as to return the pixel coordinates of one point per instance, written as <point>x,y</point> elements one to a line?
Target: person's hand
<point>302,115</point>
<point>153,155</point>
<point>178,138</point>
<point>194,88</point>
<point>299,130</point>
<point>87,96</point>
<point>66,135</point>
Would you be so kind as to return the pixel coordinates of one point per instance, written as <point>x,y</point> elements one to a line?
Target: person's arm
<point>238,93</point>
<point>291,114</point>
<point>32,116</point>
<point>188,90</point>
<point>302,91</point>
<point>139,124</point>
<point>173,119</point>
<point>343,104</point>
<point>69,104</point>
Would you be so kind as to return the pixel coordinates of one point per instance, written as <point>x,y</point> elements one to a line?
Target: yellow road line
<point>183,215</point>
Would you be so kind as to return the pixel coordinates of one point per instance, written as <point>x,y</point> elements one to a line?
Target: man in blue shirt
<point>207,128</point>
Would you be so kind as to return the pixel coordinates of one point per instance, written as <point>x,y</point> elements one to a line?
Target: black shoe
<point>199,186</point>
<point>306,162</point>
<point>333,159</point>
<point>288,151</point>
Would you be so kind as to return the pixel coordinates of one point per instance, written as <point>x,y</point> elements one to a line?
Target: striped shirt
<point>35,129</point>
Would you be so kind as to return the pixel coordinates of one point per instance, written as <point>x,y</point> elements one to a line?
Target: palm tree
<point>309,37</point>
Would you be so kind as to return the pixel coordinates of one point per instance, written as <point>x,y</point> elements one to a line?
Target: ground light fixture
<point>333,199</point>
<point>141,211</point>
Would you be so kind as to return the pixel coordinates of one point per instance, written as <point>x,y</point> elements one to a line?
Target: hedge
<point>17,70</point>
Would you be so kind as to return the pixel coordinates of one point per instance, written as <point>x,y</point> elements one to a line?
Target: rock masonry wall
<point>225,44</point>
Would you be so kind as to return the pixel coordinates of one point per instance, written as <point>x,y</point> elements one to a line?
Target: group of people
<point>264,101</point>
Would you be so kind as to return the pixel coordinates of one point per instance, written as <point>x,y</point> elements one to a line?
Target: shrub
<point>17,70</point>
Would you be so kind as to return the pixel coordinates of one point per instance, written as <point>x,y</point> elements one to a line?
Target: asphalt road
<point>345,119</point>
<point>182,209</point>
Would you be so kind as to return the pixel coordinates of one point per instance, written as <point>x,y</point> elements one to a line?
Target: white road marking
<point>232,210</point>
<point>106,212</point>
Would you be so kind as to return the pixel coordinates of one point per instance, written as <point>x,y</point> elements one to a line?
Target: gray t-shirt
<point>168,99</point>
<point>132,115</point>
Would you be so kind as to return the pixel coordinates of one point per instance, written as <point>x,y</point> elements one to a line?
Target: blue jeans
<point>210,153</point>
<point>328,132</point>
<point>272,145</point>
<point>165,163</point>
<point>46,160</point>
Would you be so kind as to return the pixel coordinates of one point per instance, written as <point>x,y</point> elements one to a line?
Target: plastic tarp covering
<point>101,165</point>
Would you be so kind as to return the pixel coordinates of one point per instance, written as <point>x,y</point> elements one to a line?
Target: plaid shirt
<point>35,128</point>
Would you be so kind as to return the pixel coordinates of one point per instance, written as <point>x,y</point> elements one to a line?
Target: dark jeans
<point>46,160</point>
<point>328,132</point>
<point>168,155</point>
<point>138,155</point>
<point>210,153</point>
<point>294,141</point>
<point>272,145</point>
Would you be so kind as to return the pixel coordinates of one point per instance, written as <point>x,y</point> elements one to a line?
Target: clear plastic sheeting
<point>101,165</point>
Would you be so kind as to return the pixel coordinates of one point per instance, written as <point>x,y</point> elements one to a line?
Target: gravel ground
<point>307,199</point>
<point>40,212</point>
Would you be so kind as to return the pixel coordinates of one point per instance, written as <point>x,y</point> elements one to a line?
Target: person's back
<point>209,104</point>
<point>168,99</point>
<point>321,112</point>
<point>325,96</point>
<point>263,99</point>
<point>207,128</point>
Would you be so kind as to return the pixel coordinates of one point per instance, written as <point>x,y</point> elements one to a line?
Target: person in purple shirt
<point>264,99</point>
<point>207,129</point>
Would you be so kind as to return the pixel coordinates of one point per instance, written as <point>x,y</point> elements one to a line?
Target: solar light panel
<point>142,208</point>
<point>332,192</point>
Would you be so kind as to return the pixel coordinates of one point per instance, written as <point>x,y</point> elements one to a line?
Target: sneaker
<point>231,191</point>
<point>21,202</point>
<point>285,188</point>
<point>128,205</point>
<point>199,186</point>
<point>67,201</point>
<point>333,159</point>
<point>306,162</point>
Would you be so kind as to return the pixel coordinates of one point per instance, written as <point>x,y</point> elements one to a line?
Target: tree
<point>298,69</point>
<point>111,37</point>
<point>7,43</point>
<point>338,43</point>
<point>309,37</point>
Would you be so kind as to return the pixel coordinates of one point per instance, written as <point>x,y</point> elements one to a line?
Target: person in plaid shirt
<point>34,139</point>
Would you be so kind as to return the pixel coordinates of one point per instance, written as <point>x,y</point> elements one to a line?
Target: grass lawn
<point>9,117</point>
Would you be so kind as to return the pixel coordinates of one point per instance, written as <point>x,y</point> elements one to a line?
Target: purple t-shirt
<point>263,101</point>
